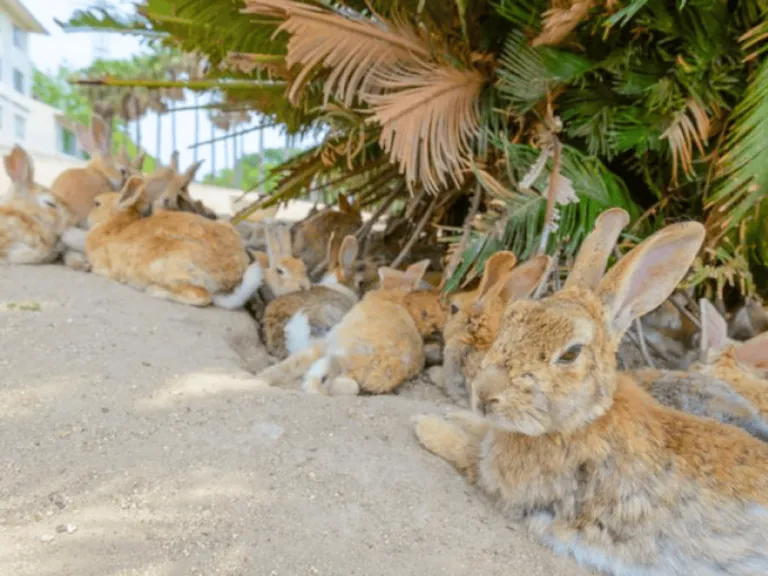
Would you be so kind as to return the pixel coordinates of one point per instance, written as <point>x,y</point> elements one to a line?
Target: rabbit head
<point>175,196</point>
<point>129,204</point>
<point>33,198</point>
<point>552,368</point>
<point>400,282</point>
<point>428,309</point>
<point>311,235</point>
<point>718,348</point>
<point>286,274</point>
<point>97,142</point>
<point>342,260</point>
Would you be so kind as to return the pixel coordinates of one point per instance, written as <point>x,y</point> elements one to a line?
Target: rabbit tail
<point>251,282</point>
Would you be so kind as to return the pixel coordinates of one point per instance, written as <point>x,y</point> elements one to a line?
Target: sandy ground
<point>132,442</point>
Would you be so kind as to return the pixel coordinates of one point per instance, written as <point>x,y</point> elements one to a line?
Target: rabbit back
<point>171,249</point>
<point>293,320</point>
<point>25,239</point>
<point>78,188</point>
<point>377,344</point>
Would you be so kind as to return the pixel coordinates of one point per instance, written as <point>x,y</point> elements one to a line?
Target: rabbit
<point>173,255</point>
<point>476,315</point>
<point>78,187</point>
<point>374,349</point>
<point>429,311</point>
<point>285,273</point>
<point>32,219</point>
<point>311,235</point>
<point>586,459</point>
<point>293,320</point>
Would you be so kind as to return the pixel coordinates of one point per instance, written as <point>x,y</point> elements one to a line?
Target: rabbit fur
<point>173,255</point>
<point>32,219</point>
<point>78,187</point>
<point>311,235</point>
<point>476,315</point>
<point>176,194</point>
<point>589,462</point>
<point>292,321</point>
<point>374,349</point>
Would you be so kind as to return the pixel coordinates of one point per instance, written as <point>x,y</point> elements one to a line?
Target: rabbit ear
<point>19,166</point>
<point>284,239</point>
<point>754,352</point>
<point>102,136</point>
<point>344,205</point>
<point>496,269</point>
<point>138,163</point>
<point>85,137</point>
<point>156,186</point>
<point>596,249</point>
<point>521,281</point>
<point>714,328</point>
<point>645,277</point>
<point>131,193</point>
<point>348,253</point>
<point>389,278</point>
<point>332,251</point>
<point>122,157</point>
<point>415,272</point>
<point>189,173</point>
<point>174,165</point>
<point>273,244</point>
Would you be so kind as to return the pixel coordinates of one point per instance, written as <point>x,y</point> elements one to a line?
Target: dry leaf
<point>429,117</point>
<point>560,21</point>
<point>683,134</point>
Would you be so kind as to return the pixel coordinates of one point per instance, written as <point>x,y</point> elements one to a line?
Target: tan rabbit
<point>476,322</point>
<point>311,235</point>
<point>78,187</point>
<point>173,255</point>
<point>32,220</point>
<point>588,461</point>
<point>286,273</point>
<point>374,349</point>
<point>292,321</point>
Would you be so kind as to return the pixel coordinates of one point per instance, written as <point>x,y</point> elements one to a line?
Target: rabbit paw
<point>343,386</point>
<point>473,424</point>
<point>436,434</point>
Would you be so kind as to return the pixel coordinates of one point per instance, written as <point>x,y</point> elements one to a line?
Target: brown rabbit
<point>476,321</point>
<point>588,461</point>
<point>32,220</point>
<point>173,255</point>
<point>374,349</point>
<point>78,187</point>
<point>176,194</point>
<point>311,235</point>
<point>292,321</point>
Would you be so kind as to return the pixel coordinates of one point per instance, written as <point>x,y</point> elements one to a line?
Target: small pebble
<point>68,528</point>
<point>47,538</point>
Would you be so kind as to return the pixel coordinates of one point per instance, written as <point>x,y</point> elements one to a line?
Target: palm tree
<point>553,110</point>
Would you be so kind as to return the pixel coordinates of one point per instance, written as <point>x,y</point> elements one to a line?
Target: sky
<point>77,50</point>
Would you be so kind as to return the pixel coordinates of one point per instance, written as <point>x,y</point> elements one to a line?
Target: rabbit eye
<point>454,308</point>
<point>570,355</point>
<point>281,271</point>
<point>97,203</point>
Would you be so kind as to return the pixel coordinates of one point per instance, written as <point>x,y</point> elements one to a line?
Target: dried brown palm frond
<point>249,63</point>
<point>429,117</point>
<point>560,20</point>
<point>352,48</point>
<point>690,128</point>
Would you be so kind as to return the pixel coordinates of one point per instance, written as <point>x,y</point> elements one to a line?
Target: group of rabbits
<point>636,473</point>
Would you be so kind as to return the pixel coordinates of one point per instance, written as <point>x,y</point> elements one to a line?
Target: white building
<point>39,128</point>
